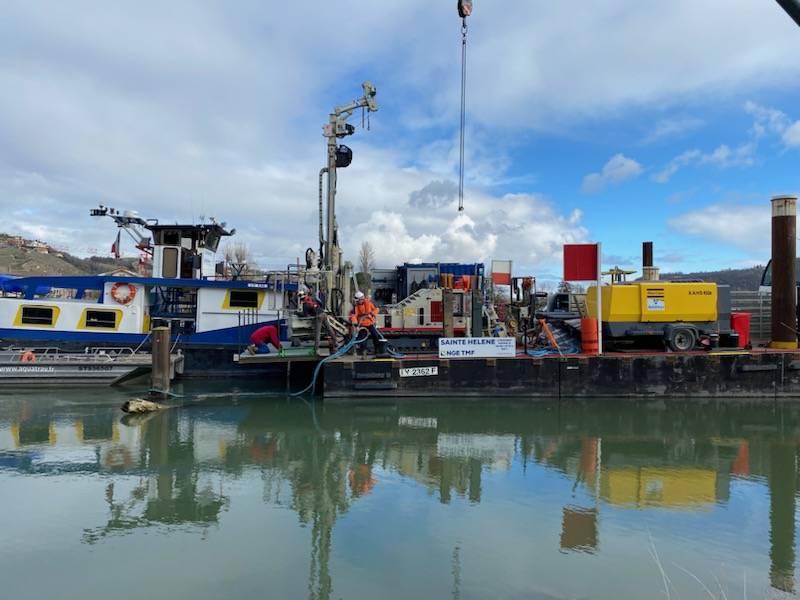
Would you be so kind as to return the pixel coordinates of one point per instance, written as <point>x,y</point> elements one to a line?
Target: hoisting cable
<point>464,10</point>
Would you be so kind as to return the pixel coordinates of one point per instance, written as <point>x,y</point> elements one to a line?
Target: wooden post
<point>447,313</point>
<point>160,356</point>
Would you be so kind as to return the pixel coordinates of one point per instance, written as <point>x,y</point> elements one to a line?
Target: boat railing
<point>50,354</point>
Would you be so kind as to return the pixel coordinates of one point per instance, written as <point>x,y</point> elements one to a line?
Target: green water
<point>252,496</point>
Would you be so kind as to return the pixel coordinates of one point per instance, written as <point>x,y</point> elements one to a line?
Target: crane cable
<point>463,113</point>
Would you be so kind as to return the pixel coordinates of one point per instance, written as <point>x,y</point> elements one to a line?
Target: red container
<point>589,341</point>
<point>740,323</point>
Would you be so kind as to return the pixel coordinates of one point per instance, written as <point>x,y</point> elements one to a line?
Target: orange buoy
<point>589,342</point>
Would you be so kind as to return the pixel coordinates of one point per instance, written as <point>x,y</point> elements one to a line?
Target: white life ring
<point>124,297</point>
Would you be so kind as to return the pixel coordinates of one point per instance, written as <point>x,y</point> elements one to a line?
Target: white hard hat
<point>359,295</point>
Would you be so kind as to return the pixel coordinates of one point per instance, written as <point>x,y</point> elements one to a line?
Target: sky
<point>616,121</point>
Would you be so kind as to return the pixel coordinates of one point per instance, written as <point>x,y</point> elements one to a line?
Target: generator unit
<point>417,322</point>
<point>677,314</point>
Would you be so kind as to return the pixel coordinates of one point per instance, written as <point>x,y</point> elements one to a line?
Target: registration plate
<point>419,372</point>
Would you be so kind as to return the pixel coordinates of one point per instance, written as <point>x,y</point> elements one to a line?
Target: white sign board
<point>479,347</point>
<point>419,371</point>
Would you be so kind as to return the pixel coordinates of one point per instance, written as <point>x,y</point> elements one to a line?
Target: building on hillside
<point>120,272</point>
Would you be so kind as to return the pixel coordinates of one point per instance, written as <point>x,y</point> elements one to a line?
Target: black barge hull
<point>753,374</point>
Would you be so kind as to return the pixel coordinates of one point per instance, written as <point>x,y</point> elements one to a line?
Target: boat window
<point>244,299</point>
<point>37,315</point>
<point>212,241</point>
<point>105,319</point>
<point>169,263</point>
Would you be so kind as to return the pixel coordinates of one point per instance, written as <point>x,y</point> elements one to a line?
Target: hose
<point>341,352</point>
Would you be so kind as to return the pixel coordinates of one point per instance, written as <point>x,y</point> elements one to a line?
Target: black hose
<point>309,256</point>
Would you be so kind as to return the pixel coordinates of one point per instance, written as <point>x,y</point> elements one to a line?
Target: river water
<point>240,494</point>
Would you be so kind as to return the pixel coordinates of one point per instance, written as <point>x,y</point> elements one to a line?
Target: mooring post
<point>784,275</point>
<point>160,357</point>
<point>448,326</point>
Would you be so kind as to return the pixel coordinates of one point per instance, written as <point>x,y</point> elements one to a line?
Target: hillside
<point>29,257</point>
<point>739,279</point>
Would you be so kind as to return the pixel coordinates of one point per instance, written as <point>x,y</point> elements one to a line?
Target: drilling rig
<point>336,279</point>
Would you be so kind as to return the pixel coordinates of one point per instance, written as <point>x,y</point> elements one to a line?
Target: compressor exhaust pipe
<point>649,272</point>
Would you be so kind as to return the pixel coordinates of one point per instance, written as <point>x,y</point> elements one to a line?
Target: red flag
<point>501,272</point>
<point>115,250</point>
<point>580,262</point>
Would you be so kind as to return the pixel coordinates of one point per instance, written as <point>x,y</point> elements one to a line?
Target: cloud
<point>525,228</point>
<point>742,226</point>
<point>186,108</point>
<point>775,122</point>
<point>672,128</point>
<point>525,83</point>
<point>434,195</point>
<point>791,136</point>
<point>619,168</point>
<point>722,156</point>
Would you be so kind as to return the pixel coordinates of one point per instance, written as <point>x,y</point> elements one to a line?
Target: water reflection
<point>174,467</point>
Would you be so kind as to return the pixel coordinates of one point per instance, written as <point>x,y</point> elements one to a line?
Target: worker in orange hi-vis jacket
<point>362,316</point>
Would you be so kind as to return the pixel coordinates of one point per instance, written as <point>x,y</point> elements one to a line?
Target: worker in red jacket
<point>263,336</point>
<point>362,317</point>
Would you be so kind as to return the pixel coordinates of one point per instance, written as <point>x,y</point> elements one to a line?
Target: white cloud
<point>529,76</point>
<point>775,122</point>
<point>525,228</point>
<point>672,128</point>
<point>791,137</point>
<point>723,157</point>
<point>742,226</point>
<point>186,108</point>
<point>619,168</point>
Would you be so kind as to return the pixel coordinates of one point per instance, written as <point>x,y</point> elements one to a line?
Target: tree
<point>238,259</point>
<point>366,258</point>
<point>366,262</point>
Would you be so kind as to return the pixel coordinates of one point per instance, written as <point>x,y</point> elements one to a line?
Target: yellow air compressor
<point>677,314</point>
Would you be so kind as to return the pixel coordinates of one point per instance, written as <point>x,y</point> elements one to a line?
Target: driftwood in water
<point>138,406</point>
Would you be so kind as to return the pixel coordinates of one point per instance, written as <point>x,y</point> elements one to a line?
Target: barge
<point>771,374</point>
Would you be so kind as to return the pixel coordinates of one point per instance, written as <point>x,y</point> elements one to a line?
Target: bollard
<point>160,357</point>
<point>784,276</point>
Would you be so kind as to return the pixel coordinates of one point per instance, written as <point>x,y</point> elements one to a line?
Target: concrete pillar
<point>160,373</point>
<point>784,276</point>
